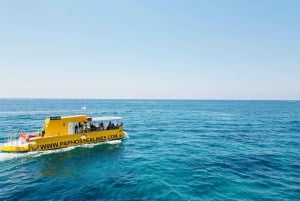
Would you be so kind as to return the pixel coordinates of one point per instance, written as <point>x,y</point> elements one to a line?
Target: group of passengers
<point>112,126</point>
<point>90,126</point>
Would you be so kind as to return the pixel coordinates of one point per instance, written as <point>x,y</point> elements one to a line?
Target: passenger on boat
<point>101,126</point>
<point>92,126</point>
<point>85,127</point>
<point>108,126</point>
<point>80,127</point>
<point>76,128</point>
<point>113,126</point>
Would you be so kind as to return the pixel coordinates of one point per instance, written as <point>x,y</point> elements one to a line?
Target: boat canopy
<point>106,118</point>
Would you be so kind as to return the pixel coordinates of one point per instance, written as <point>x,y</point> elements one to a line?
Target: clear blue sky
<point>202,49</point>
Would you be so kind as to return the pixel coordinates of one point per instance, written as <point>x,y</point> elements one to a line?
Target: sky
<point>202,49</point>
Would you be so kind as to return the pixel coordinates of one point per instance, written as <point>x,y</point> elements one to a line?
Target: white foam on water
<point>4,156</point>
<point>8,156</point>
<point>91,145</point>
<point>40,153</point>
<point>126,135</point>
<point>114,142</point>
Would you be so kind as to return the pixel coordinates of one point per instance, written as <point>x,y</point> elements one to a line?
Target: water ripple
<point>177,150</point>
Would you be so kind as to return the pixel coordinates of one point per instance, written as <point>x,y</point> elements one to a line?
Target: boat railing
<point>12,138</point>
<point>15,140</point>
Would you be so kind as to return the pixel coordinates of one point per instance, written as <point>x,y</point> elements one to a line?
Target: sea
<point>174,150</point>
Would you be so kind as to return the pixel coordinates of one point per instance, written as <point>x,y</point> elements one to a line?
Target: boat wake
<point>4,156</point>
<point>9,156</point>
<point>126,135</point>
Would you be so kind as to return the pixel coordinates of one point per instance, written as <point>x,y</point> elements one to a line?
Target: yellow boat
<point>60,132</point>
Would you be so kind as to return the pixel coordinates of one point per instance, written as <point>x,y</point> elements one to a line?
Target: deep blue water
<point>176,150</point>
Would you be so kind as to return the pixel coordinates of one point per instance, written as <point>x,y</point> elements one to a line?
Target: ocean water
<point>175,150</point>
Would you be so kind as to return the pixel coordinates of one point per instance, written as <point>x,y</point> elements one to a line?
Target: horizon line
<point>179,99</point>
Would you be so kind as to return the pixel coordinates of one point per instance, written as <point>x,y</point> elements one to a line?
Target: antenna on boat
<point>84,109</point>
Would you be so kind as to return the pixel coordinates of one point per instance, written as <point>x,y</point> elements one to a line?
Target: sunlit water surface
<point>175,150</point>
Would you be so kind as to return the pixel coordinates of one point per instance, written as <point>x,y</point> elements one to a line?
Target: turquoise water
<point>175,150</point>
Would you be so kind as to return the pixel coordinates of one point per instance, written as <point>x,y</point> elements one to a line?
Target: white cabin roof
<point>105,118</point>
